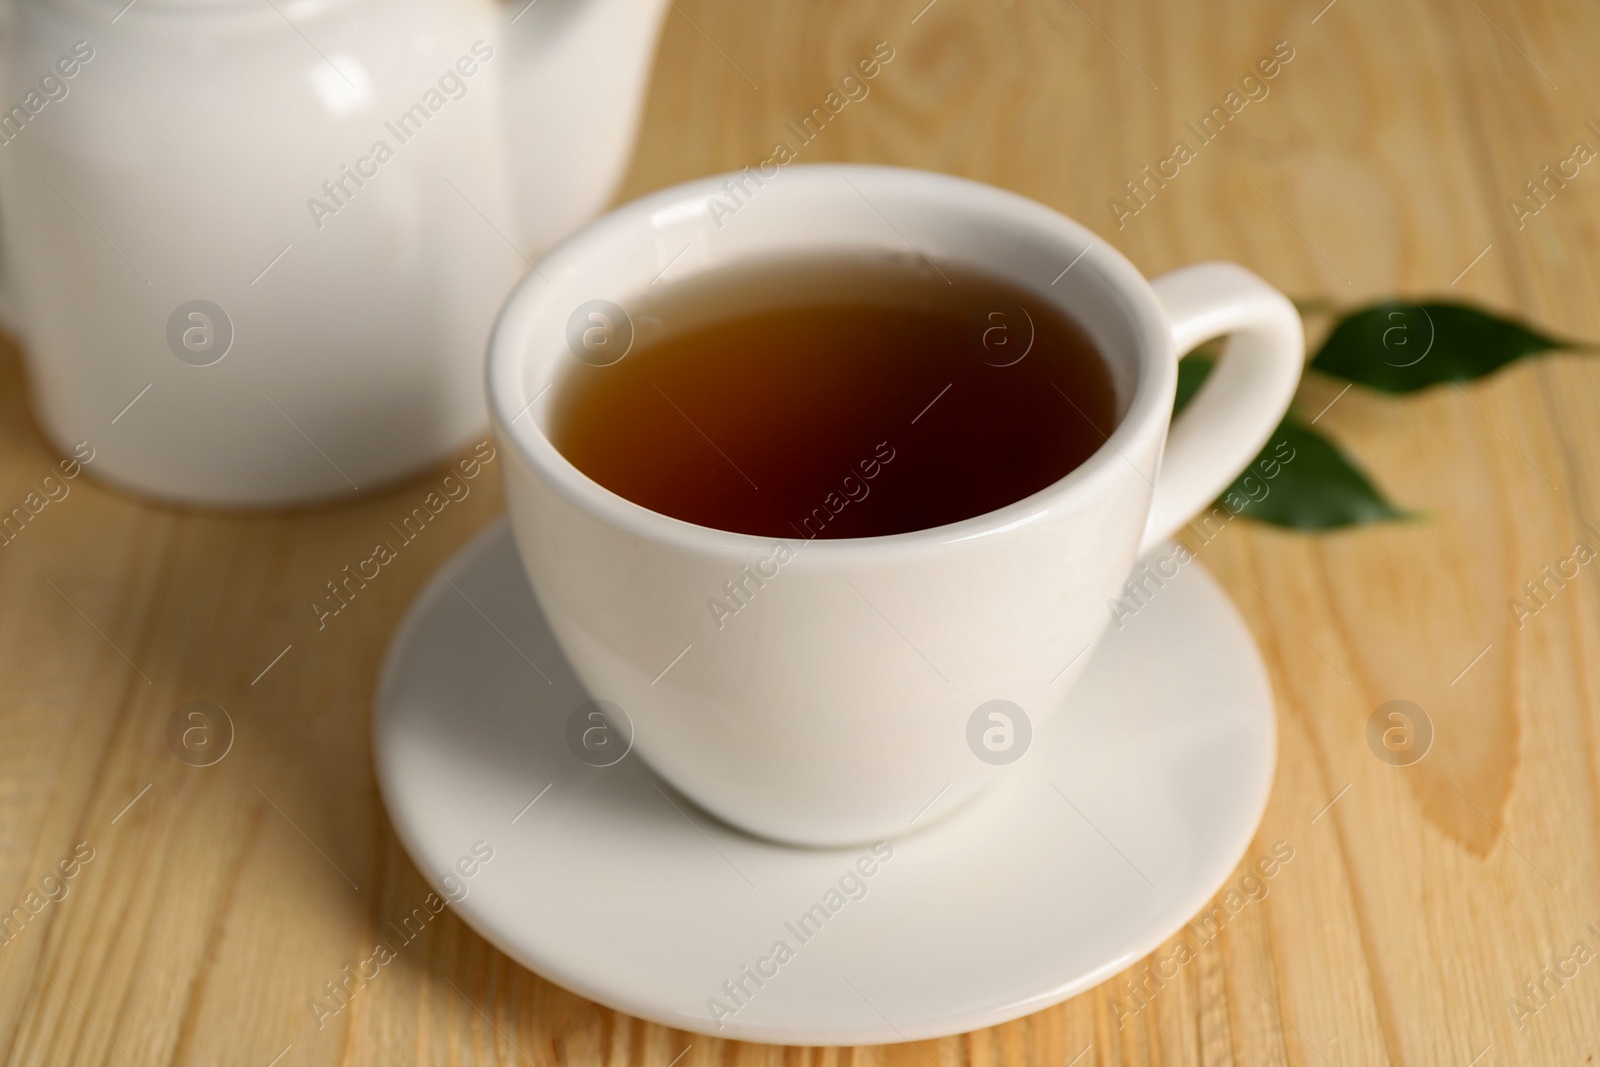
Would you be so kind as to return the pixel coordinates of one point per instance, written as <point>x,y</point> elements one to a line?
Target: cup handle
<point>1239,406</point>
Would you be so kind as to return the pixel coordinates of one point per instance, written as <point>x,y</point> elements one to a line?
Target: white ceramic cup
<point>851,699</point>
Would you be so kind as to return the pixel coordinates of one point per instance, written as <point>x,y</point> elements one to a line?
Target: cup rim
<point>1154,361</point>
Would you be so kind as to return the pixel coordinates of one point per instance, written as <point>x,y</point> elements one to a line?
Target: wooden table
<point>1419,899</point>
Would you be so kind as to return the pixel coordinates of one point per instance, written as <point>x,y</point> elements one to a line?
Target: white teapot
<point>254,248</point>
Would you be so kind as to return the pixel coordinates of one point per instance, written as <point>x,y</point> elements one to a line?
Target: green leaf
<point>1317,486</point>
<point>1401,347</point>
<point>1193,370</point>
<point>1300,479</point>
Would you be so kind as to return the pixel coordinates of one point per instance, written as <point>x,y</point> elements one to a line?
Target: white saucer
<point>1127,814</point>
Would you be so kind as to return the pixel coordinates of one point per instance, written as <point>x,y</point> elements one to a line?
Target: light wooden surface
<point>1415,907</point>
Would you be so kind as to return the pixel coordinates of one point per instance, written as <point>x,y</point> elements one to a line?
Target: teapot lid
<point>290,9</point>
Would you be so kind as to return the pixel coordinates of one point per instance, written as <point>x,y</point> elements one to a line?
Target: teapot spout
<point>572,92</point>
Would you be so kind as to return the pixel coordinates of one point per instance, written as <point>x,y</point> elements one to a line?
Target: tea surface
<point>837,398</point>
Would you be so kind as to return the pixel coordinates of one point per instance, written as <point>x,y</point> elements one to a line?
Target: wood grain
<point>219,898</point>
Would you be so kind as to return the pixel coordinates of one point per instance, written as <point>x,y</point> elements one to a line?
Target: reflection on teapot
<point>254,250</point>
